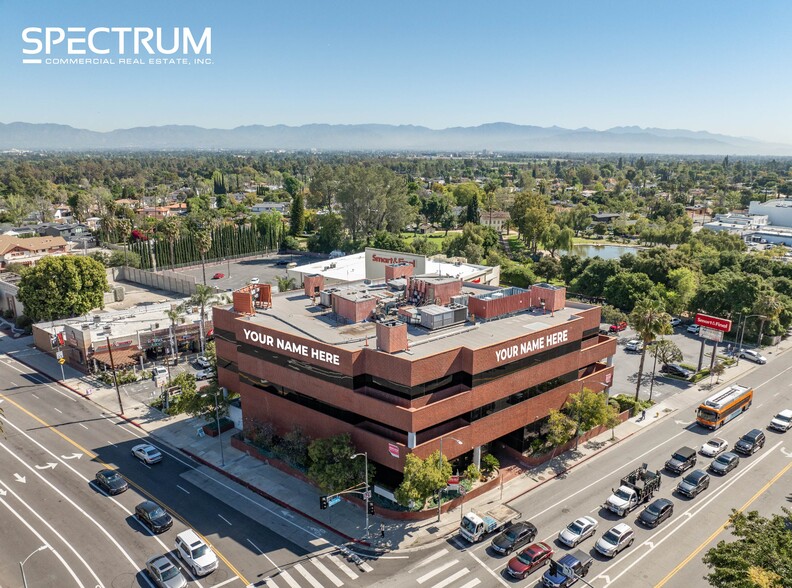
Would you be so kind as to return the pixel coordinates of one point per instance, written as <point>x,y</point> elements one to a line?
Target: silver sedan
<point>577,531</point>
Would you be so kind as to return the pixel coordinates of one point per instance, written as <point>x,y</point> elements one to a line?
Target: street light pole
<point>742,333</point>
<point>217,417</point>
<point>24,561</point>
<point>366,495</point>
<point>440,492</point>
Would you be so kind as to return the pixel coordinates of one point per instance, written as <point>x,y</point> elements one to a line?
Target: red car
<point>618,327</point>
<point>532,557</point>
<point>217,276</point>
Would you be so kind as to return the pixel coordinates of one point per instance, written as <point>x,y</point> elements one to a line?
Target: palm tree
<point>170,228</point>
<point>649,319</point>
<point>203,296</point>
<point>285,283</point>
<point>174,314</point>
<point>203,242</point>
<point>768,307</point>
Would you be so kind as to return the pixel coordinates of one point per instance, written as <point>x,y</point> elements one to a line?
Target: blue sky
<point>717,66</point>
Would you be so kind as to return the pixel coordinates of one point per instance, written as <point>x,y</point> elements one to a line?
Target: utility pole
<point>115,378</point>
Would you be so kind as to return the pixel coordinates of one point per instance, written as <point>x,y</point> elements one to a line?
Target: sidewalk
<point>345,520</point>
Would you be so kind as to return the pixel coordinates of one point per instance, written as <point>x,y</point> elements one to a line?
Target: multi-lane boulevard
<point>669,555</point>
<point>54,444</point>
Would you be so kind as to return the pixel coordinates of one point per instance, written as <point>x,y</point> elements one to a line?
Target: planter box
<point>211,429</point>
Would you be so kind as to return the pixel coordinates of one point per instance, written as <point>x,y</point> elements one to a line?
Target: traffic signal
<point>370,507</point>
<point>322,502</point>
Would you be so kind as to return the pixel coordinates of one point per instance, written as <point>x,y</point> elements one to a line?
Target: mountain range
<point>499,137</point>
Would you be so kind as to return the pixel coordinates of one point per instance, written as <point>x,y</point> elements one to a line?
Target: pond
<point>603,251</point>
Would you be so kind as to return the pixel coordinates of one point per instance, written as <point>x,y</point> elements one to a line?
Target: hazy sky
<point>703,65</point>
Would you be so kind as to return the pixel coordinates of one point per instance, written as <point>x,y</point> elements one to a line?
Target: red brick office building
<point>402,363</point>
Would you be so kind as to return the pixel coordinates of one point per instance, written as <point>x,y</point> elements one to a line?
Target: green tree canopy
<point>423,478</point>
<point>332,466</point>
<point>61,287</point>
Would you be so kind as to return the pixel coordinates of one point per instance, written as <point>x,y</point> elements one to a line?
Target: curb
<point>269,497</point>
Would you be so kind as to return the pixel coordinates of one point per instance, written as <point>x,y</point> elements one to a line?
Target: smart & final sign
<point>292,347</point>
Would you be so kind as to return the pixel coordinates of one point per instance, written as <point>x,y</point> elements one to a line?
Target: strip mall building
<point>406,361</point>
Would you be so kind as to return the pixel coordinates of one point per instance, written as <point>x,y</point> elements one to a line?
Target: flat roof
<point>295,314</point>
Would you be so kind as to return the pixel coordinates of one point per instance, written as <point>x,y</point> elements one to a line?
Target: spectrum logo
<point>116,46</point>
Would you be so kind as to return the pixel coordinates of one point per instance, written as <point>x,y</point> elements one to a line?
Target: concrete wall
<point>165,280</point>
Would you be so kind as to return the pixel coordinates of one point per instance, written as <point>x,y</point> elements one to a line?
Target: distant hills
<point>501,137</point>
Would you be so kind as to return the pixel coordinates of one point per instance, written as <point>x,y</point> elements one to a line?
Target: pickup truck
<point>567,570</point>
<point>634,489</point>
<point>475,526</point>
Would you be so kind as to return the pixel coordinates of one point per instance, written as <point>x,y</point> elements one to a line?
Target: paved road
<point>671,553</point>
<point>54,443</point>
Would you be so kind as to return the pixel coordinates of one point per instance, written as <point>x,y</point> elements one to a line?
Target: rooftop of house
<point>8,242</point>
<point>296,314</point>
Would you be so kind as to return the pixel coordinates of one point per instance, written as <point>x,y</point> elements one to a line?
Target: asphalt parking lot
<point>238,273</point>
<point>626,364</point>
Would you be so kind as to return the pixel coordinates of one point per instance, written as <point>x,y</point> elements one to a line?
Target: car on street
<point>164,573</point>
<point>159,372</point>
<point>673,369</point>
<point>724,463</point>
<point>753,355</point>
<point>634,346</point>
<point>514,537</point>
<point>195,553</point>
<point>693,329</point>
<point>202,362</point>
<point>111,482</point>
<point>577,531</point>
<point>153,516</point>
<point>682,459</point>
<point>654,514</point>
<point>617,327</point>
<point>254,281</point>
<point>282,262</point>
<point>615,540</point>
<point>714,447</point>
<point>147,453</point>
<point>750,443</point>
<point>676,321</point>
<point>218,276</point>
<point>694,483</point>
<point>204,374</point>
<point>529,559</point>
<point>782,421</point>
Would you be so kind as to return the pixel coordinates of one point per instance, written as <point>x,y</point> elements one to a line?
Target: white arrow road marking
<point>678,422</point>
<point>606,578</point>
<point>785,452</point>
<point>19,478</point>
<point>72,456</point>
<point>650,544</point>
<point>3,492</point>
<point>49,466</point>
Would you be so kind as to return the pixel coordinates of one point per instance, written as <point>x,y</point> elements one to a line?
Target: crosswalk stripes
<point>291,578</point>
<point>473,582</point>
<point>453,578</point>
<point>428,560</point>
<point>304,573</point>
<point>436,571</point>
<point>342,566</point>
<point>330,575</point>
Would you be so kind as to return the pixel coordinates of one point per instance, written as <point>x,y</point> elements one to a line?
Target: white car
<point>577,531</point>
<point>615,540</point>
<point>754,356</point>
<point>194,552</point>
<point>782,421</point>
<point>147,453</point>
<point>714,447</point>
<point>159,372</point>
<point>693,329</point>
<point>675,322</point>
<point>634,346</point>
<point>202,362</point>
<point>253,281</point>
<point>204,374</point>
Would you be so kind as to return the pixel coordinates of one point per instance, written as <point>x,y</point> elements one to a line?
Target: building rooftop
<point>296,314</point>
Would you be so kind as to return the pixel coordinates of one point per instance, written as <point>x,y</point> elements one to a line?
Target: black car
<point>654,514</point>
<point>673,369</point>
<point>111,482</point>
<point>724,463</point>
<point>683,459</point>
<point>751,442</point>
<point>282,262</point>
<point>514,537</point>
<point>694,483</point>
<point>153,516</point>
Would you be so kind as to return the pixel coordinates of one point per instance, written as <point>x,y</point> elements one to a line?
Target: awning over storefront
<point>121,357</point>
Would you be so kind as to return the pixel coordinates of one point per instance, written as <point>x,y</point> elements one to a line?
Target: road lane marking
<point>689,514</point>
<point>43,541</point>
<point>83,426</point>
<point>34,396</point>
<point>720,529</point>
<point>306,574</point>
<point>451,579</point>
<point>427,560</point>
<point>187,492</point>
<point>493,574</point>
<point>322,568</point>
<point>289,580</point>
<point>227,521</point>
<point>434,572</point>
<point>224,582</point>
<point>58,409</point>
<point>342,566</point>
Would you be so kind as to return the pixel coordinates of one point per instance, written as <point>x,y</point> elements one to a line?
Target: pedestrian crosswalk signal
<point>322,502</point>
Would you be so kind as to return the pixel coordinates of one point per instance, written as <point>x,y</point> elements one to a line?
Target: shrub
<point>489,464</point>
<point>472,473</point>
<point>628,403</point>
<point>293,448</point>
<point>8,314</point>
<point>263,435</point>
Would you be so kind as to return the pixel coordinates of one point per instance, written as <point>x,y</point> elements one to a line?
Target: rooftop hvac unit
<point>107,328</point>
<point>97,319</point>
<point>85,326</point>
